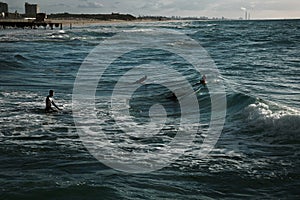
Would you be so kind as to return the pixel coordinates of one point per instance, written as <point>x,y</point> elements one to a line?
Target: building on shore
<point>40,17</point>
<point>14,15</point>
<point>31,10</point>
<point>3,9</point>
<point>5,14</point>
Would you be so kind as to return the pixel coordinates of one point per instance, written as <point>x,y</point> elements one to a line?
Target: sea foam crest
<point>271,117</point>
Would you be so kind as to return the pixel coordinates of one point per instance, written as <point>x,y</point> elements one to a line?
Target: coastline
<point>69,23</point>
<point>81,22</point>
<point>86,22</point>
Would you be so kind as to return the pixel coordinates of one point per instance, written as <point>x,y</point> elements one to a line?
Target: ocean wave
<point>20,57</point>
<point>272,122</point>
<point>140,30</point>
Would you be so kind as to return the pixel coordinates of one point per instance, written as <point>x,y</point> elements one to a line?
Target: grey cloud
<point>278,6</point>
<point>90,5</point>
<point>61,5</point>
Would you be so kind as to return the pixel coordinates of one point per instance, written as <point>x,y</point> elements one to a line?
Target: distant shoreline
<point>85,22</point>
<point>93,21</point>
<point>80,22</point>
<point>60,23</point>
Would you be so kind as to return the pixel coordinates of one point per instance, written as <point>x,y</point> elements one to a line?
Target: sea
<point>130,149</point>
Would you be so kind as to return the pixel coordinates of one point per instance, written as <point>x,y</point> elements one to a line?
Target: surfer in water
<point>203,80</point>
<point>49,102</point>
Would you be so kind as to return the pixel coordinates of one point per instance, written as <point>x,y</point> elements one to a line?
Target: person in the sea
<point>203,80</point>
<point>50,102</point>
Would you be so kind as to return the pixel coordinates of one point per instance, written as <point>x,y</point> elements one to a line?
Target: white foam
<point>273,117</point>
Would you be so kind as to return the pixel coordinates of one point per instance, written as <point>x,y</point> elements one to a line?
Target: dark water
<point>256,156</point>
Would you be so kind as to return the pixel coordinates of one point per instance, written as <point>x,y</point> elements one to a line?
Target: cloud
<point>61,5</point>
<point>88,4</point>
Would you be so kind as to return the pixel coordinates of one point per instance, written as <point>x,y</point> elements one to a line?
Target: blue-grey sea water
<point>256,156</point>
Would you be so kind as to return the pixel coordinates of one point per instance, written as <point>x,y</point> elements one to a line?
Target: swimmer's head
<point>51,92</point>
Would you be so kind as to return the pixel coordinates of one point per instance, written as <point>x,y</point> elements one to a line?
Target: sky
<point>233,9</point>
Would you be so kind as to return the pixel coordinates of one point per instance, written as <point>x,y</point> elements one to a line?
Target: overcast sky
<point>210,8</point>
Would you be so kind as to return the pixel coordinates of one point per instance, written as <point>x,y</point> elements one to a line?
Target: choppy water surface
<point>257,154</point>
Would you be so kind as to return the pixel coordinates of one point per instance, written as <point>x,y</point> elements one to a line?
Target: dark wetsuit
<point>203,80</point>
<point>49,102</point>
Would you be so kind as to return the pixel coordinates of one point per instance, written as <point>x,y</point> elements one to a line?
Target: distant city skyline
<point>211,8</point>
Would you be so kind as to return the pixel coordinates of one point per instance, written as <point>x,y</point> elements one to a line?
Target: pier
<point>32,24</point>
